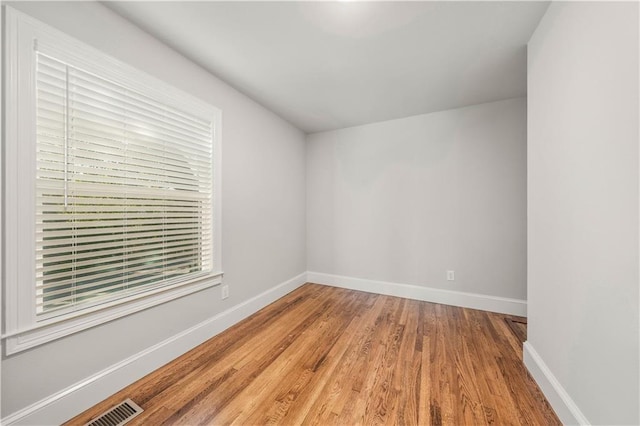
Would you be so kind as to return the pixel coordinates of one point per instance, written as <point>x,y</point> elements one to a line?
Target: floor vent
<point>118,415</point>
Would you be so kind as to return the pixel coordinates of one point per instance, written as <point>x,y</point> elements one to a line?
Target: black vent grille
<point>118,415</point>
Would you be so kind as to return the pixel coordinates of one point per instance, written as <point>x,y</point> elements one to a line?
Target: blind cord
<point>66,138</point>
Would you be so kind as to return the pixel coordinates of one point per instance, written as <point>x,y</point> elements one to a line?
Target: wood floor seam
<point>324,355</point>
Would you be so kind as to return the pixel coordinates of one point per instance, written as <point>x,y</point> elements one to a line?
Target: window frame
<point>23,36</point>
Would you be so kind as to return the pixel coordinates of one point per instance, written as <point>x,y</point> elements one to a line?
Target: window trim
<point>23,34</point>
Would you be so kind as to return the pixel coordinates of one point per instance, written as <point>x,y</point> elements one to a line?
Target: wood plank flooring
<point>518,326</point>
<point>325,355</point>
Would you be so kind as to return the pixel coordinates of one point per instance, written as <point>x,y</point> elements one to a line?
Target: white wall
<point>263,213</point>
<point>403,201</point>
<point>583,207</point>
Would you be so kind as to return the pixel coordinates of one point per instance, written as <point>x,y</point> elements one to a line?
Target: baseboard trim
<point>62,405</point>
<point>560,401</point>
<point>447,297</point>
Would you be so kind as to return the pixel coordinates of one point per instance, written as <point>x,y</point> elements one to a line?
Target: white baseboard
<point>560,401</point>
<point>68,402</point>
<point>447,297</point>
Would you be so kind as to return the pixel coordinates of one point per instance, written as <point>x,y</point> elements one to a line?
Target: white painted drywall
<point>263,210</point>
<point>406,200</point>
<point>583,204</point>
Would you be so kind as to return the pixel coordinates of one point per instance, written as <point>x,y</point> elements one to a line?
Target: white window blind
<point>123,191</point>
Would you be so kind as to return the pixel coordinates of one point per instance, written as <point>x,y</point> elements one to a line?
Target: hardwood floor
<point>519,327</point>
<point>325,355</point>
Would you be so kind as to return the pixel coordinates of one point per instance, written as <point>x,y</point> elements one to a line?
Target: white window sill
<point>56,328</point>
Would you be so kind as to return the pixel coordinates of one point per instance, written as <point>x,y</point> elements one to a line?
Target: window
<point>111,187</point>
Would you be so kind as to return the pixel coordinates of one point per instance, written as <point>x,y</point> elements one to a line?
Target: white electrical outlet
<point>451,276</point>
<point>225,291</point>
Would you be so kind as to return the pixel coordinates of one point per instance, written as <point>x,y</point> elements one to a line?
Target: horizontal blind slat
<point>52,67</point>
<point>123,190</point>
<point>53,262</point>
<point>52,278</point>
<point>114,292</point>
<point>112,284</point>
<point>143,102</point>
<point>80,252</point>
<point>90,100</point>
